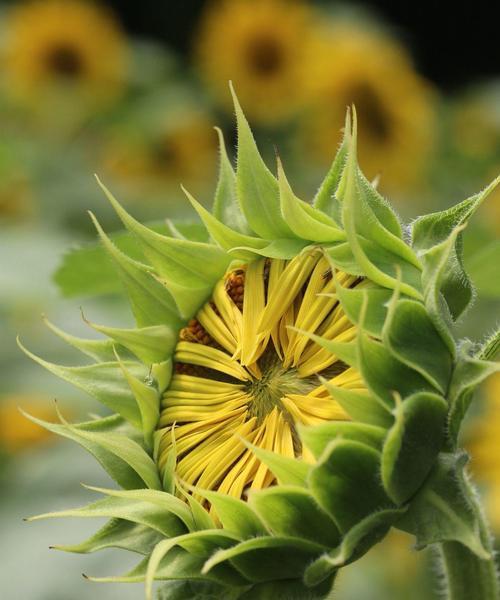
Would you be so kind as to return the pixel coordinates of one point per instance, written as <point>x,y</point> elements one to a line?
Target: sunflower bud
<point>292,390</point>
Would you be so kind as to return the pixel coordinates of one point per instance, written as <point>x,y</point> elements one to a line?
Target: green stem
<point>467,575</point>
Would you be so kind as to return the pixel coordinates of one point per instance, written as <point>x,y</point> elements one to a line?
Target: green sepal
<point>361,406</point>
<point>345,468</point>
<point>189,270</point>
<point>367,217</point>
<point>436,265</point>
<point>412,338</point>
<point>201,517</point>
<point>119,470</point>
<point>225,207</point>
<point>356,542</point>
<point>384,374</point>
<point>267,558</point>
<point>178,565</point>
<point>377,300</point>
<point>257,187</point>
<point>284,249</point>
<point>412,444</point>
<point>235,515</point>
<point>148,401</point>
<point>200,543</point>
<point>317,437</point>
<point>103,381</point>
<point>288,471</point>
<point>345,351</point>
<point>151,344</point>
<point>342,258</point>
<point>469,372</point>
<point>151,302</point>
<point>441,511</point>
<point>98,350</point>
<point>167,502</point>
<point>304,220</point>
<point>136,511</point>
<point>198,590</point>
<point>117,533</point>
<point>325,199</point>
<point>161,374</point>
<point>286,589</point>
<point>292,511</point>
<point>224,236</point>
<point>432,230</point>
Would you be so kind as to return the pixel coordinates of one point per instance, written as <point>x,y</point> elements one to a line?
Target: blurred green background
<point>131,91</point>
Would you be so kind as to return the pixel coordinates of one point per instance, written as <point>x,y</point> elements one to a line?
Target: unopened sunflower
<point>262,43</point>
<point>292,389</point>
<point>395,105</point>
<point>58,52</point>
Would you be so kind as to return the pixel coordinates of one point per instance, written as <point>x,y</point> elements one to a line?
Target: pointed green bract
<point>257,187</point>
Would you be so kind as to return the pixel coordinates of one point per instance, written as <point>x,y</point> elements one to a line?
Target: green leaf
<point>286,589</point>
<point>151,344</point>
<point>226,208</point>
<point>288,471</point>
<point>411,336</point>
<point>345,351</point>
<point>441,510</point>
<point>345,468</point>
<point>235,515</point>
<point>103,381</point>
<point>317,437</point>
<point>267,558</point>
<point>304,220</point>
<point>293,511</point>
<point>119,470</point>
<point>188,269</point>
<point>117,533</point>
<point>197,590</point>
<point>357,541</point>
<point>257,187</point>
<point>413,444</point>
<point>136,511</point>
<point>151,303</point>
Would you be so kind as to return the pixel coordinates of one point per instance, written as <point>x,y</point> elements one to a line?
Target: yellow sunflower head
<point>262,45</point>
<point>64,50</point>
<point>364,67</point>
<point>292,388</point>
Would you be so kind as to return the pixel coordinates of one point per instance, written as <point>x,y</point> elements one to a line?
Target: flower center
<point>65,62</point>
<point>265,56</point>
<point>245,369</point>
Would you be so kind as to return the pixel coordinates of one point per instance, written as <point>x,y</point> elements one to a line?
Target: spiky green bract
<point>395,463</point>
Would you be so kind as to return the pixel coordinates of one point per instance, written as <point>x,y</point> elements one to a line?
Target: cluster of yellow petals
<point>250,372</point>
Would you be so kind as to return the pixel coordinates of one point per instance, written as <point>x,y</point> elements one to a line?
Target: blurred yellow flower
<point>483,445</point>
<point>58,49</point>
<point>395,106</point>
<point>181,149</point>
<point>17,433</point>
<point>262,46</point>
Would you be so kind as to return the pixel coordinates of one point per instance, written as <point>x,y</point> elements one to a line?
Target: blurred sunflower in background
<point>365,67</point>
<point>155,152</point>
<point>16,433</point>
<point>63,53</point>
<point>263,46</point>
<point>483,446</point>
